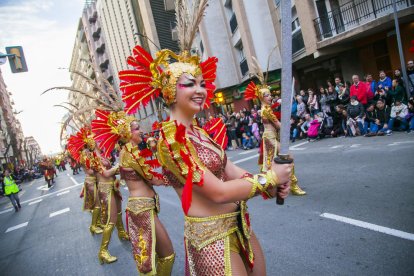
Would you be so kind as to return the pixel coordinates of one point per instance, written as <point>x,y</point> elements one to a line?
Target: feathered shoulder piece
<point>132,157</point>
<point>178,155</point>
<point>111,127</point>
<point>217,130</point>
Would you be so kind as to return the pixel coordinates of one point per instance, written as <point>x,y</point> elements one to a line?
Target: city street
<point>357,218</point>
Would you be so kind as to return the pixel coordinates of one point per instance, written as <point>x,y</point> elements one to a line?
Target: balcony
<point>244,68</point>
<point>354,14</point>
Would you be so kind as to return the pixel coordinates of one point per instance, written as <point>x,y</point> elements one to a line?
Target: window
<point>233,23</point>
<point>244,68</point>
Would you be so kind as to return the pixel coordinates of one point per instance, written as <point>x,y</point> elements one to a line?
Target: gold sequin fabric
<point>105,190</point>
<point>89,193</point>
<point>141,228</point>
<point>129,175</point>
<point>211,159</point>
<point>269,149</point>
<point>203,231</point>
<point>208,261</point>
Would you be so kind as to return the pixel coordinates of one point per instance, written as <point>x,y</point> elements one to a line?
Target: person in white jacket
<point>398,113</point>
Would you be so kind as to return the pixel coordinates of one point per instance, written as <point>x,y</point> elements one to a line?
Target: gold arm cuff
<point>258,188</point>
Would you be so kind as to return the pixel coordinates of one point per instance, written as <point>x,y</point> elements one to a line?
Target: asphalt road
<point>367,180</point>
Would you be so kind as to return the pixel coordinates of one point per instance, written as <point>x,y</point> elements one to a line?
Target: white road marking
<point>399,143</point>
<point>62,193</point>
<point>355,145</point>
<point>298,145</point>
<point>7,210</point>
<point>59,212</point>
<point>36,201</point>
<point>247,152</point>
<point>370,226</point>
<point>245,159</point>
<point>74,181</point>
<point>294,149</point>
<point>17,227</point>
<point>68,174</point>
<point>43,187</point>
<point>338,146</point>
<point>64,189</point>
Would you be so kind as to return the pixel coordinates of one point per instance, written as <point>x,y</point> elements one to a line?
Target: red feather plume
<point>136,84</point>
<point>77,142</point>
<point>251,91</point>
<point>103,132</point>
<point>209,71</point>
<point>218,131</point>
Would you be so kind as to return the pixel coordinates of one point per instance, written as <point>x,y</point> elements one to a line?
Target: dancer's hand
<point>283,172</point>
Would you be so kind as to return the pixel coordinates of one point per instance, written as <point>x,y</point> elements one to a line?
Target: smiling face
<point>136,133</point>
<point>191,94</point>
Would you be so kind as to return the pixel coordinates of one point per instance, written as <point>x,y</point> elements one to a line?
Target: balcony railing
<point>353,14</point>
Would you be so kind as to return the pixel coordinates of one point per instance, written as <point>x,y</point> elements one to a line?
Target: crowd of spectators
<point>373,106</point>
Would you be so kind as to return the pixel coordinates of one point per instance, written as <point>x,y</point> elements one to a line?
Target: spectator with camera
<point>343,95</point>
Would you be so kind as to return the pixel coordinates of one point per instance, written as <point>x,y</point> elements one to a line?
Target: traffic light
<point>219,98</point>
<point>16,59</point>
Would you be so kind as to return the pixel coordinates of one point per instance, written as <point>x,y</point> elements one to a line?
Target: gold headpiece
<point>152,78</point>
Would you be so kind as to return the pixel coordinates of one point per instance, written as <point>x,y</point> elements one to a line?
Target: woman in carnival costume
<point>81,147</point>
<point>213,191</point>
<point>103,98</point>
<point>270,140</point>
<point>151,246</point>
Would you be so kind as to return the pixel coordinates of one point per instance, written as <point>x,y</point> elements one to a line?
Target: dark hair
<point>380,100</point>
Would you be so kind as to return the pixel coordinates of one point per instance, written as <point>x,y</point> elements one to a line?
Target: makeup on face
<point>190,81</point>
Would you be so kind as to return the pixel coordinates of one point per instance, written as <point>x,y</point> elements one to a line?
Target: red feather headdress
<point>77,142</point>
<point>110,127</point>
<point>152,78</point>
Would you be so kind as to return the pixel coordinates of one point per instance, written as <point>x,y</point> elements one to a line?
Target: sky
<point>46,29</point>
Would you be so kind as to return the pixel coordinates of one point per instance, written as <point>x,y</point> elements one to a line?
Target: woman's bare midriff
<point>139,189</point>
<point>102,178</point>
<point>203,207</point>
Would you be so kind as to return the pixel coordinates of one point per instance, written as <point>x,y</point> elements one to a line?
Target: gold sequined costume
<point>208,240</point>
<point>90,193</point>
<point>141,212</point>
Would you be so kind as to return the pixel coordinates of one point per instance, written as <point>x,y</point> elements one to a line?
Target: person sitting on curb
<point>356,116</point>
<point>247,142</point>
<point>398,113</point>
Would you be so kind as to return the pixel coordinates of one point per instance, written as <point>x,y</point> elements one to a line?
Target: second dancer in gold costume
<point>270,138</point>
<point>151,246</point>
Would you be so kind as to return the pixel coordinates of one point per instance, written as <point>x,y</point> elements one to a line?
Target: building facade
<point>235,32</point>
<point>125,24</point>
<point>343,38</point>
<point>11,133</point>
